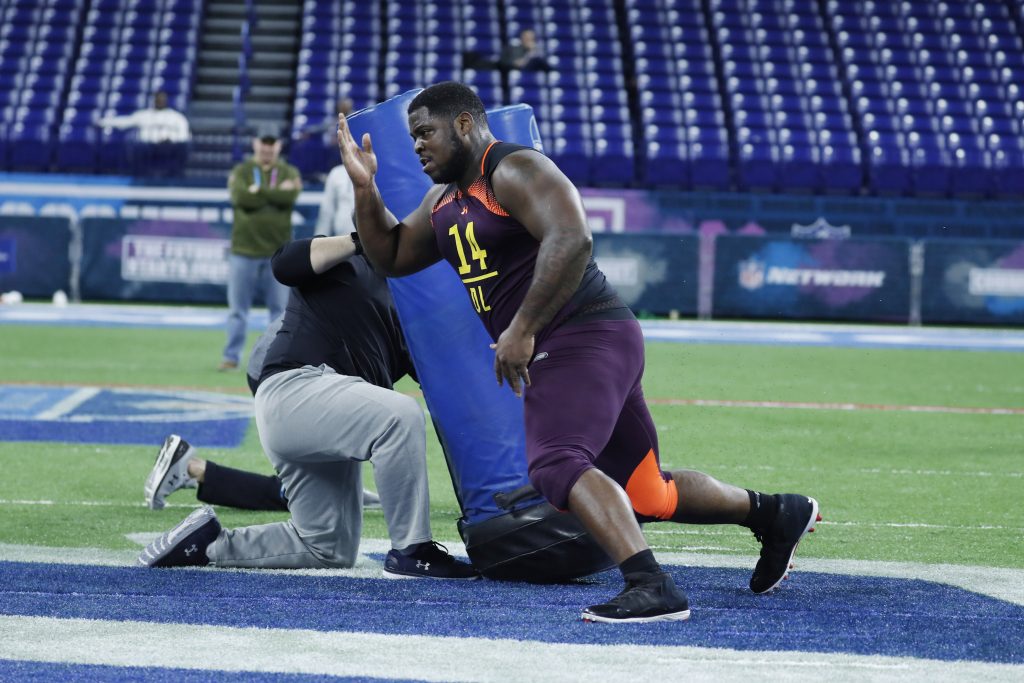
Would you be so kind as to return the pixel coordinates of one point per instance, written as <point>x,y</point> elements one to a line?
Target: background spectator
<point>162,137</point>
<point>263,189</point>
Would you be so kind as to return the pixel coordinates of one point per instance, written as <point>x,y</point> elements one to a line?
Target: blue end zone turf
<point>811,613</point>
<point>122,416</point>
<point>13,670</point>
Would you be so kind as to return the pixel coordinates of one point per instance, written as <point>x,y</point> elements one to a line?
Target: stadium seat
<point>77,148</point>
<point>30,146</point>
<point>613,161</point>
<point>665,165</point>
<point>757,167</point>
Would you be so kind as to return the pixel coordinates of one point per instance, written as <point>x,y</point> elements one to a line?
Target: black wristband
<point>355,240</point>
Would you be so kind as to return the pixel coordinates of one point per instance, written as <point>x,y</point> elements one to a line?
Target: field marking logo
<point>121,415</point>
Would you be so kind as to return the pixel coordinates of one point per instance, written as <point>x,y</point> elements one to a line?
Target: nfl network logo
<point>751,273</point>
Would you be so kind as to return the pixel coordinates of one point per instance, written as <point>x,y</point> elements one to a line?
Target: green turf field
<point>893,484</point>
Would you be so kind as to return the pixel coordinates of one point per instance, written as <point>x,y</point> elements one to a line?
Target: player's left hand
<point>512,353</point>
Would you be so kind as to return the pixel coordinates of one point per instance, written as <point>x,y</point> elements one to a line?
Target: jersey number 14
<point>476,293</point>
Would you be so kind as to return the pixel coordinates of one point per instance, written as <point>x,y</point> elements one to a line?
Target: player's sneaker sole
<point>645,599</point>
<point>169,473</point>
<point>682,615</point>
<point>185,544</point>
<point>783,567</point>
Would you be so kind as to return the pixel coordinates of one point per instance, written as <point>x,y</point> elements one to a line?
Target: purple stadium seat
<point>931,170</point>
<point>757,167</point>
<point>77,149</point>
<point>889,169</point>
<point>709,165</point>
<point>665,164</point>
<point>30,146</point>
<point>613,161</point>
<point>800,168</point>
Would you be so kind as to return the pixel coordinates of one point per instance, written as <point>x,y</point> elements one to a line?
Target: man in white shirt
<point>337,205</point>
<point>162,138</point>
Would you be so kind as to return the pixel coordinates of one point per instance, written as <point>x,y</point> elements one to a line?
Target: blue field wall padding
<point>832,279</point>
<point>34,258</point>
<point>974,281</point>
<point>479,423</point>
<point>155,260</point>
<point>652,273</point>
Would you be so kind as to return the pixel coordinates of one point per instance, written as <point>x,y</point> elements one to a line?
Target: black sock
<point>641,563</point>
<point>762,510</point>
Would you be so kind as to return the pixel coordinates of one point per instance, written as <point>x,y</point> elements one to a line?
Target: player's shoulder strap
<point>497,151</point>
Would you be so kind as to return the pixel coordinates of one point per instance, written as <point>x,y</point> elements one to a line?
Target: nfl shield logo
<point>751,273</point>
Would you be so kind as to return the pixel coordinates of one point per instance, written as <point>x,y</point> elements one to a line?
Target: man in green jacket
<point>263,191</point>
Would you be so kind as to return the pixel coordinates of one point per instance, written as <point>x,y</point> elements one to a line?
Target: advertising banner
<point>978,281</point>
<point>34,257</point>
<point>154,260</point>
<point>840,279</point>
<point>652,273</point>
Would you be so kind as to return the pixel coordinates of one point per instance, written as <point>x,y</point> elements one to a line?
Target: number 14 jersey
<point>494,255</point>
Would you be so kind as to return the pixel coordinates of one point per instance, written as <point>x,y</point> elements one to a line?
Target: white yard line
<point>430,658</point>
<point>872,470</point>
<point>810,405</point>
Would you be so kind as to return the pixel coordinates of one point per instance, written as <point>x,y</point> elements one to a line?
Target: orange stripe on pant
<point>648,491</point>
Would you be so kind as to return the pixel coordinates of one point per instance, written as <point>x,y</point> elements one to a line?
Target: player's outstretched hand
<point>361,163</point>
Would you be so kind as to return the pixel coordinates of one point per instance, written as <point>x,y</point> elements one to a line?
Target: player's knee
<point>399,426</point>
<point>553,474</point>
<point>407,414</point>
<point>333,553</point>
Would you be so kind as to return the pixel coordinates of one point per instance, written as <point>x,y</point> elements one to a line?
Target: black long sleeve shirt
<point>344,318</point>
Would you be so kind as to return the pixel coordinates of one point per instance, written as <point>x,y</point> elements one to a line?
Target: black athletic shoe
<point>795,517</point>
<point>184,545</point>
<point>646,597</point>
<point>430,561</point>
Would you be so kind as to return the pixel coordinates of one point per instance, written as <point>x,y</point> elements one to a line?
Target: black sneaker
<point>795,517</point>
<point>170,472</point>
<point>646,597</point>
<point>184,545</point>
<point>430,561</point>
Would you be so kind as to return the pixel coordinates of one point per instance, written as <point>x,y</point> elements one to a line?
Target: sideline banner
<point>839,279</point>
<point>34,256</point>
<point>979,281</point>
<point>154,260</point>
<point>652,273</point>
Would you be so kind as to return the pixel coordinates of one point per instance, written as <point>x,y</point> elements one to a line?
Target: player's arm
<point>325,216</point>
<point>538,195</point>
<point>396,247</point>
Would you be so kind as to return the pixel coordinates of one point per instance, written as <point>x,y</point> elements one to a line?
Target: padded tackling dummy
<point>510,532</point>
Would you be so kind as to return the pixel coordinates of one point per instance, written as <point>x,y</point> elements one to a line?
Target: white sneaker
<point>170,472</point>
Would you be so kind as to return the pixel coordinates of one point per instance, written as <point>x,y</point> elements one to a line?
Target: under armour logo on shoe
<point>189,551</point>
<point>425,566</point>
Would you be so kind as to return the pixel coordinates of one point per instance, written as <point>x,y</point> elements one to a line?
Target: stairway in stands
<point>275,42</point>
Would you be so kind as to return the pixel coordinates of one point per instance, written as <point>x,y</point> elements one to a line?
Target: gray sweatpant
<point>317,427</point>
